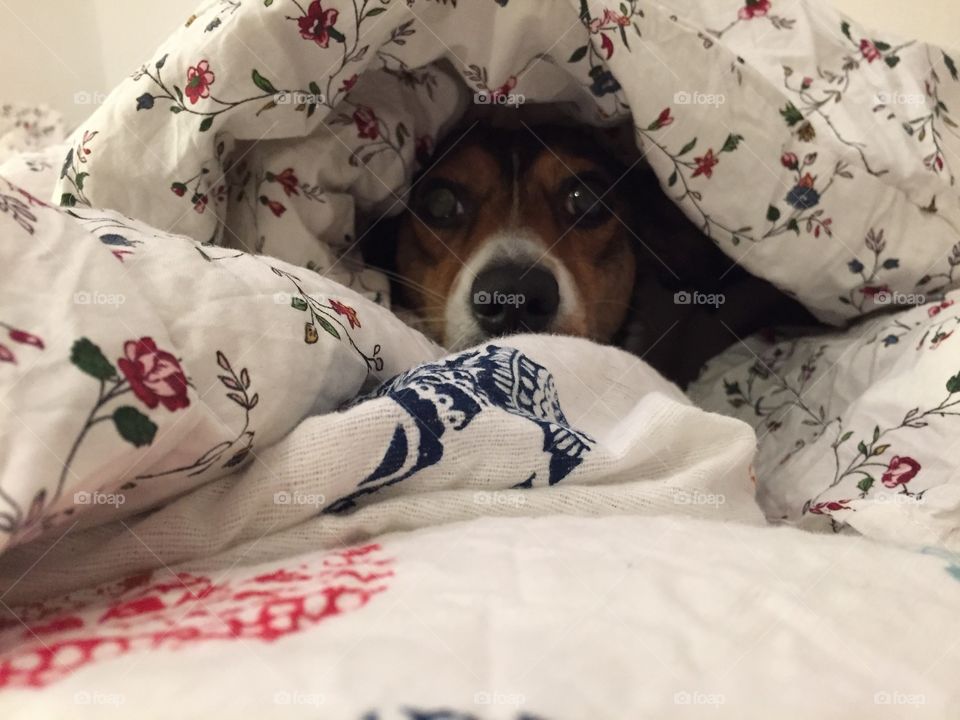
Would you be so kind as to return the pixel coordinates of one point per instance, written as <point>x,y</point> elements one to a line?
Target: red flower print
<point>900,471</point>
<point>663,119</point>
<point>754,8</point>
<point>178,188</point>
<point>26,338</point>
<point>199,80</point>
<point>829,506</point>
<point>155,376</point>
<point>87,137</point>
<point>366,122</point>
<point>871,291</point>
<point>807,181</point>
<point>200,203</point>
<point>6,355</point>
<point>606,45</point>
<point>423,149</point>
<point>506,88</point>
<point>317,23</point>
<point>936,309</point>
<point>790,161</point>
<point>869,50</point>
<point>348,312</point>
<point>806,83</point>
<point>276,208</point>
<point>609,17</point>
<point>349,83</point>
<point>706,164</point>
<point>288,181</point>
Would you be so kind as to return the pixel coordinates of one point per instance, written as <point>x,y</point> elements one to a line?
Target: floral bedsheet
<point>817,153</point>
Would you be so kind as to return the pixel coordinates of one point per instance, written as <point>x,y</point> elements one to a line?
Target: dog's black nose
<point>515,298</point>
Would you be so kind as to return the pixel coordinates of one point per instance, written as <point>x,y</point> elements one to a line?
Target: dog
<point>545,230</point>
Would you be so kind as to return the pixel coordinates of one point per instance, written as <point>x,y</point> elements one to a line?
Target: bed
<point>222,449</point>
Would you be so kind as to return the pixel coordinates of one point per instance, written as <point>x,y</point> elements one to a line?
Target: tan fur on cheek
<point>605,288</point>
<point>429,279</point>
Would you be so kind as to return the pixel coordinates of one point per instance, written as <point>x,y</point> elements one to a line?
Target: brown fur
<point>600,259</point>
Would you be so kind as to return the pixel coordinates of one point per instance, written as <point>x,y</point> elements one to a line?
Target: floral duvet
<point>216,434</point>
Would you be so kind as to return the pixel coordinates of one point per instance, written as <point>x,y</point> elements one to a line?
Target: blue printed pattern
<point>448,395</point>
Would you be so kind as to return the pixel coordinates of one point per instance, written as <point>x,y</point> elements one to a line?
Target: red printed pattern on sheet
<point>48,641</point>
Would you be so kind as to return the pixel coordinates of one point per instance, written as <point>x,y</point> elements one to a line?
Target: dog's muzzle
<point>511,298</point>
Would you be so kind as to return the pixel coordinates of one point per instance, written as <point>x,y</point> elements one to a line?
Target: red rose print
<point>349,83</point>
<point>706,164</point>
<point>366,122</point>
<point>178,188</point>
<point>829,506</point>
<point>288,180</point>
<point>609,17</point>
<point>936,309</point>
<point>26,338</point>
<point>807,181</point>
<point>423,149</point>
<point>871,291</point>
<point>155,376</point>
<point>347,311</point>
<point>316,24</point>
<point>505,89</point>
<point>201,203</point>
<point>790,161</point>
<point>900,471</point>
<point>199,80</point>
<point>754,8</point>
<point>869,50</point>
<point>147,614</point>
<point>6,355</point>
<point>276,208</point>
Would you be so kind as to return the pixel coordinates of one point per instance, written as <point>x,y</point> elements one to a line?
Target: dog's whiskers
<point>397,277</point>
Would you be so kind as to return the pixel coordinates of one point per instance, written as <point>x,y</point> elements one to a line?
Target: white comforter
<point>195,438</point>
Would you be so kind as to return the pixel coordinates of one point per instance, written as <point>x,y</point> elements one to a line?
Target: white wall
<point>70,53</point>
<point>936,21</point>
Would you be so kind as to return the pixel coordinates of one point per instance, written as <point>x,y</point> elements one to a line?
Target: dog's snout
<point>515,298</point>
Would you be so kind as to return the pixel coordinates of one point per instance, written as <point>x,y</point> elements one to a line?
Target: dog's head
<point>516,231</point>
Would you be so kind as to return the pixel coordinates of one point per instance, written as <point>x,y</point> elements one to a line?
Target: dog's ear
<point>668,238</point>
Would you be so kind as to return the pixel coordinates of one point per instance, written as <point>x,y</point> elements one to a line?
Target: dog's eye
<point>583,205</point>
<point>441,206</point>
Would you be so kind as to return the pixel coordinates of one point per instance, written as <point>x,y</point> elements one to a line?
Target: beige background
<point>69,53</point>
